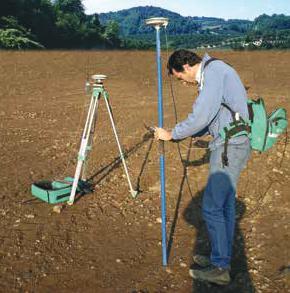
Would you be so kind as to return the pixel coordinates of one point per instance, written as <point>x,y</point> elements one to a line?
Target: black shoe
<point>212,274</point>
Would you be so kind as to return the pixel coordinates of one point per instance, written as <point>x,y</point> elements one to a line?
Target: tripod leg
<point>90,142</point>
<point>106,98</point>
<point>83,147</point>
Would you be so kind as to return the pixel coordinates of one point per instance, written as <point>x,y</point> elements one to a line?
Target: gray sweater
<point>220,83</point>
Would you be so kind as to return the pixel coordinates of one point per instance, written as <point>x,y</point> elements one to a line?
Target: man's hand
<point>162,134</point>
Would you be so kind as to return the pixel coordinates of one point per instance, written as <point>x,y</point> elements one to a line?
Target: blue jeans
<point>218,206</point>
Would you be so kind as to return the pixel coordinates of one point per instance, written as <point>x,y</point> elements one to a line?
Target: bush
<point>16,39</point>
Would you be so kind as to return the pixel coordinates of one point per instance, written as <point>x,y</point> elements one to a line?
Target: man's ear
<point>186,67</point>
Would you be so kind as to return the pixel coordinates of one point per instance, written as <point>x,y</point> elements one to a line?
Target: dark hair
<point>180,58</point>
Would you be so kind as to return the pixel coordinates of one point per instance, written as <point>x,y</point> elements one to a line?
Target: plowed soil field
<point>108,241</point>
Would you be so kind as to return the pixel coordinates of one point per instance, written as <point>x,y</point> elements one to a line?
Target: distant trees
<point>112,34</point>
<point>265,22</point>
<point>269,32</point>
<point>70,22</point>
<point>36,16</point>
<point>57,24</point>
<point>73,7</point>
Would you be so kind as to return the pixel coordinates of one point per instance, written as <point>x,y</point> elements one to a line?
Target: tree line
<point>63,24</point>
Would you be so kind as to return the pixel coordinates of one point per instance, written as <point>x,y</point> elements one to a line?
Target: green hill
<point>264,32</point>
<point>131,22</point>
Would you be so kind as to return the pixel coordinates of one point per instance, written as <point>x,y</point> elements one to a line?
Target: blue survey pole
<point>157,23</point>
<point>161,148</point>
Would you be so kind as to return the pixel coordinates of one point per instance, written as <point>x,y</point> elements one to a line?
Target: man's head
<point>184,64</point>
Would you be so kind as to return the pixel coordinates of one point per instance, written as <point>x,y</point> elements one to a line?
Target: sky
<point>241,9</point>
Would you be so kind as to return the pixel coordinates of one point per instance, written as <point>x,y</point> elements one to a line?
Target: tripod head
<point>97,79</point>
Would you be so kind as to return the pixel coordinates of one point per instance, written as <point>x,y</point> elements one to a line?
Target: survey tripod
<point>98,91</point>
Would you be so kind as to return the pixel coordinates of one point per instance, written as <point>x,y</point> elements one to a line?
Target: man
<point>220,89</point>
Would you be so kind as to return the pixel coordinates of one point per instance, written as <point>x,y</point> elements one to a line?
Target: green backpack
<point>265,129</point>
<point>262,129</point>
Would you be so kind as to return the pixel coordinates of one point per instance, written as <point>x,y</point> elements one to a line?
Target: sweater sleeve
<point>205,108</point>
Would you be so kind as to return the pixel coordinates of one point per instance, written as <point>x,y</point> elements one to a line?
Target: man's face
<point>188,75</point>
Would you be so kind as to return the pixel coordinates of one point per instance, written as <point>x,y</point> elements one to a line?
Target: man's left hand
<point>162,134</point>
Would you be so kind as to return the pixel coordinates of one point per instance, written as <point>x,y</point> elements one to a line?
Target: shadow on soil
<point>106,170</point>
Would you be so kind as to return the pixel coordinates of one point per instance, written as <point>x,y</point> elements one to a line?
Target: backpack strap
<point>209,61</point>
<point>240,126</point>
<point>233,113</point>
<point>214,59</point>
<point>251,112</point>
<point>225,159</point>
